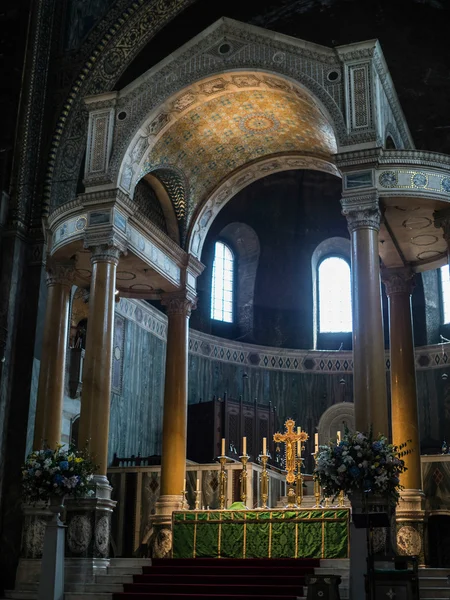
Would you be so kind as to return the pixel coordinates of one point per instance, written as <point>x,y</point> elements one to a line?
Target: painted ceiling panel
<point>221,135</point>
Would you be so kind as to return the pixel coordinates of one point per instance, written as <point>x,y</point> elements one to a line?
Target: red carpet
<point>225,579</point>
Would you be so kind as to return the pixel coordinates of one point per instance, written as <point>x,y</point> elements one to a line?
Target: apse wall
<point>301,384</point>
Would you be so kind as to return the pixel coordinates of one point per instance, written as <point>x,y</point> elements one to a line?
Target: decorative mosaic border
<point>273,359</point>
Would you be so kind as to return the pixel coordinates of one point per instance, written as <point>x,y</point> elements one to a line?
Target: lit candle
<point>338,436</point>
<point>264,446</point>
<point>244,446</point>
<point>223,446</point>
<point>316,442</point>
<point>184,486</point>
<point>299,444</point>
<point>198,485</point>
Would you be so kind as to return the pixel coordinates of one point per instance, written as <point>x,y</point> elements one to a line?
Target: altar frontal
<point>276,533</point>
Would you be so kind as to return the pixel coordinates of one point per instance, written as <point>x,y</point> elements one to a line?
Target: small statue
<point>444,447</point>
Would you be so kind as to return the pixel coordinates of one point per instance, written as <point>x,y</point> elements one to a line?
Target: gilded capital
<point>105,253</point>
<point>398,280</point>
<point>179,303</point>
<point>362,211</point>
<point>60,272</point>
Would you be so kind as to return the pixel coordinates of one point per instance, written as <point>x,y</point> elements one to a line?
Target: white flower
<point>342,469</point>
<point>37,473</point>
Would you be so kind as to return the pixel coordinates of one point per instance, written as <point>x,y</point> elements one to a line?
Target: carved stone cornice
<point>179,303</point>
<point>60,272</point>
<point>398,280</point>
<point>362,211</point>
<point>105,253</point>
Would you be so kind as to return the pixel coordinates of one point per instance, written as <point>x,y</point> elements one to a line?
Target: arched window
<point>335,304</point>
<point>445,288</point>
<point>222,284</point>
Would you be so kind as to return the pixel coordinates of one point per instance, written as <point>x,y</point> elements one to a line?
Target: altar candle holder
<point>183,500</point>
<point>264,480</point>
<point>316,486</point>
<point>341,499</point>
<point>197,499</point>
<point>243,477</point>
<point>222,482</point>
<point>299,482</point>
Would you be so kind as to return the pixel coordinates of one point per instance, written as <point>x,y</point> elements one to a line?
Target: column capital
<point>179,303</point>
<point>398,280</point>
<point>60,272</point>
<point>105,253</point>
<point>362,211</point>
<point>442,220</point>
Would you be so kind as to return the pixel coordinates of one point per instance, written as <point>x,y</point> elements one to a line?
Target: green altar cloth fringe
<point>261,534</point>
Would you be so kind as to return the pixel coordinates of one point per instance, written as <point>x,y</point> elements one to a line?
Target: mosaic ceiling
<point>221,135</point>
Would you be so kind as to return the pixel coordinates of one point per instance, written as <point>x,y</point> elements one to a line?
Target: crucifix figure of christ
<point>291,439</point>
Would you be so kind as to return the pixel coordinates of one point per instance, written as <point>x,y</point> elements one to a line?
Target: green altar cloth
<point>277,533</point>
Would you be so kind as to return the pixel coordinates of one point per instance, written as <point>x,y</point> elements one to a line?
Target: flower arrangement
<point>360,462</point>
<point>56,472</point>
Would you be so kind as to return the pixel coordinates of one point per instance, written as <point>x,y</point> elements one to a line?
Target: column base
<point>160,535</point>
<point>88,534</point>
<point>410,525</point>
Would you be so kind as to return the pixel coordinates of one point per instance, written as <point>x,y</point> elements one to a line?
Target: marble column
<point>369,367</point>
<point>405,416</point>
<point>50,397</point>
<point>96,394</point>
<point>173,465</point>
<point>89,519</point>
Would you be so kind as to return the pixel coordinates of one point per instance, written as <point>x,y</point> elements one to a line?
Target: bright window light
<point>445,285</point>
<point>222,284</point>
<point>335,297</point>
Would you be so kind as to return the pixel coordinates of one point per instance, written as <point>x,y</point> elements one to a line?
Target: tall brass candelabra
<point>316,487</point>
<point>222,482</point>
<point>243,478</point>
<point>299,481</point>
<point>264,480</point>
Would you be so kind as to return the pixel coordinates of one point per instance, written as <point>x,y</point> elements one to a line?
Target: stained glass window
<point>445,286</point>
<point>222,284</point>
<point>335,297</point>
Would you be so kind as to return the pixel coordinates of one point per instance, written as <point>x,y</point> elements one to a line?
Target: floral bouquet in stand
<point>361,463</point>
<point>60,472</point>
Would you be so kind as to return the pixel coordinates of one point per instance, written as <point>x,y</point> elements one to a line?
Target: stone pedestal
<point>35,522</point>
<point>51,582</point>
<point>410,525</point>
<point>88,523</point>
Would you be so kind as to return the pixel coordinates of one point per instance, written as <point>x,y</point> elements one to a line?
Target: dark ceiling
<point>414,36</point>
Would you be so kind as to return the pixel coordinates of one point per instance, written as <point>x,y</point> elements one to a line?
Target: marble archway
<point>334,419</point>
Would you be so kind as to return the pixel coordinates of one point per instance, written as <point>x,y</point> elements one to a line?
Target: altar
<point>274,533</point>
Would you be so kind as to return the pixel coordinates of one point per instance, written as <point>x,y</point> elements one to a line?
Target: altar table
<point>276,533</point>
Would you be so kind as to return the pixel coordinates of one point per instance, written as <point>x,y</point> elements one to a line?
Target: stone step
<point>120,571</point>
<point>433,582</point>
<point>21,594</point>
<point>87,596</point>
<point>428,572</point>
<point>107,579</point>
<point>434,593</point>
<point>335,563</point>
<point>130,562</point>
<point>91,588</point>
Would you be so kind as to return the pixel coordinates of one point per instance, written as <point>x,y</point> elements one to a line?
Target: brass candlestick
<point>243,477</point>
<point>222,482</point>
<point>264,480</point>
<point>341,499</point>
<point>291,499</point>
<point>197,499</point>
<point>183,499</point>
<point>316,487</point>
<point>299,482</point>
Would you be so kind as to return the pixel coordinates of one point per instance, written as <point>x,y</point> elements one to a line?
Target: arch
<point>245,242</point>
<point>191,63</point>
<point>335,419</point>
<point>205,214</point>
<point>331,246</point>
<point>166,203</point>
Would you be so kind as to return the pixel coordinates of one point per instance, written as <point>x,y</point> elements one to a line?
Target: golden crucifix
<point>290,438</point>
